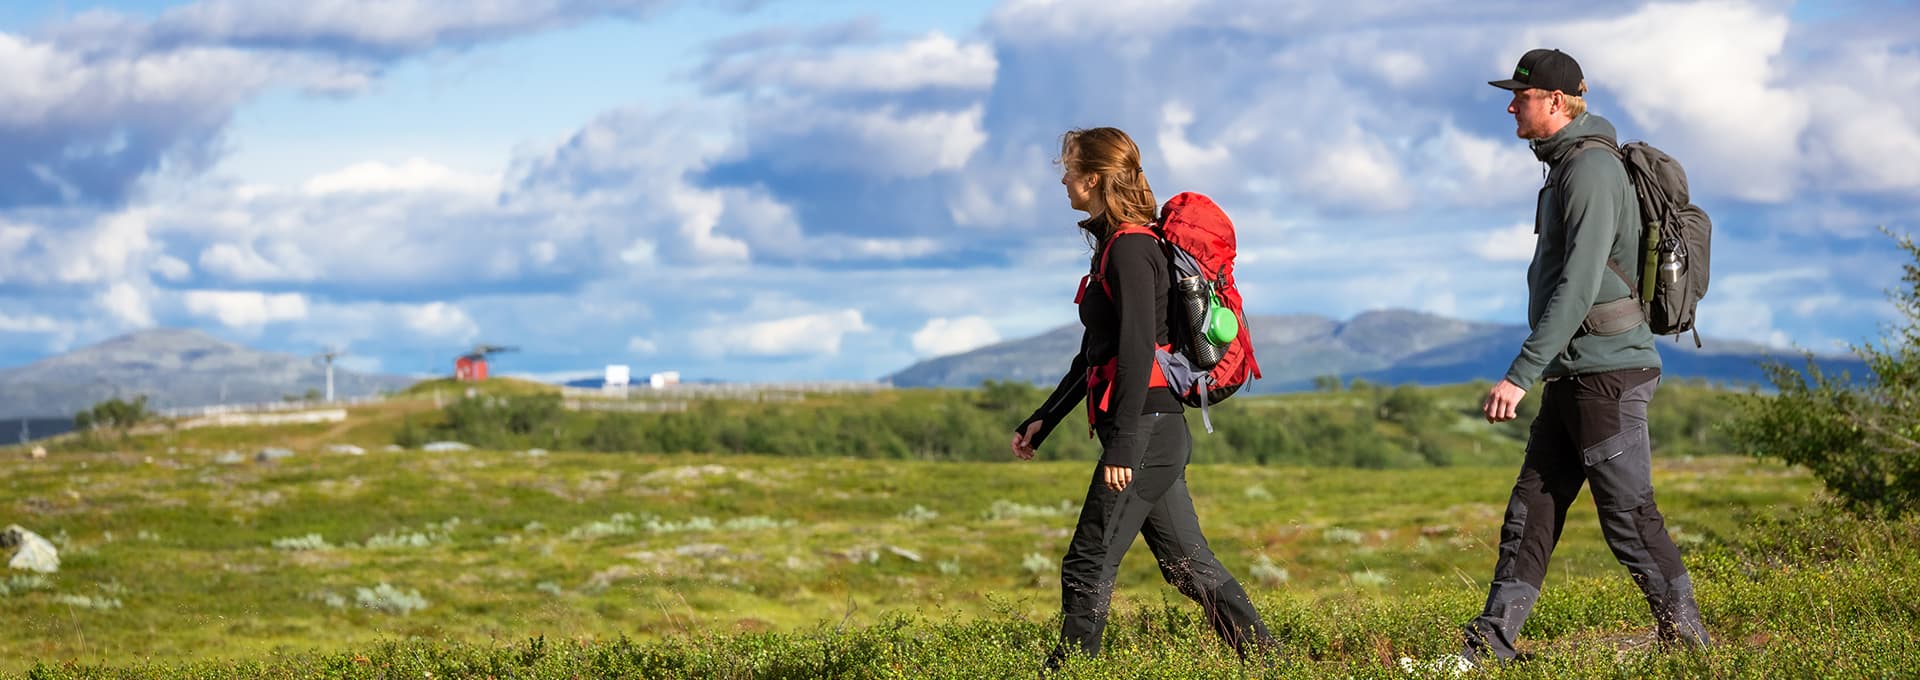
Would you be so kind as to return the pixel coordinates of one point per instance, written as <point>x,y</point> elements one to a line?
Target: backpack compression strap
<point>1104,374</point>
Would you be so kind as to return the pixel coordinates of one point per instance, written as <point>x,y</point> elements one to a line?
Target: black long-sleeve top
<point>1128,324</point>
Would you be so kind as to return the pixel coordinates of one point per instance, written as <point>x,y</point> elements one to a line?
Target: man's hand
<point>1023,441</point>
<point>1503,402</point>
<point>1117,477</point>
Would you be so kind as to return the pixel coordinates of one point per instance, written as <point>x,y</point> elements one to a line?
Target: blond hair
<point>1576,103</point>
<point>1107,153</point>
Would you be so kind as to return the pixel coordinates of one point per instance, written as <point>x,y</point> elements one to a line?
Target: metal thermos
<point>1672,265</point>
<point>1194,296</point>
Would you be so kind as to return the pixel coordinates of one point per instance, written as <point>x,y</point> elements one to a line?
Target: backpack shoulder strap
<point>1584,144</point>
<point>1560,170</point>
<point>1107,249</point>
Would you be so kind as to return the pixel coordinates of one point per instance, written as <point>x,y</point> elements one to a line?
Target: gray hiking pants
<point>1591,428</point>
<point>1156,506</point>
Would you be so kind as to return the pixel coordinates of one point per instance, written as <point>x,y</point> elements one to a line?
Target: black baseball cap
<point>1544,69</point>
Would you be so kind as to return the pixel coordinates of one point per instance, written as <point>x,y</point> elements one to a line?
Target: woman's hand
<point>1117,477</point>
<point>1023,441</point>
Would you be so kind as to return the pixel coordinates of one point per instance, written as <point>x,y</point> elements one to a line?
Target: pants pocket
<point>1611,448</point>
<point>1620,469</point>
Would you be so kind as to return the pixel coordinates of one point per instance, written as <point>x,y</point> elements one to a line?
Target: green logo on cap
<point>1522,72</point>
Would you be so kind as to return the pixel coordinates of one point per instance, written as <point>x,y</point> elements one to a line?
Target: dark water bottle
<point>1194,296</point>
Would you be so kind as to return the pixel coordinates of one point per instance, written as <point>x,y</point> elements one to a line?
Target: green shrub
<point>1860,436</point>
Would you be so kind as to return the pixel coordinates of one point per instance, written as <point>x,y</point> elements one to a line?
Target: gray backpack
<point>1675,237</point>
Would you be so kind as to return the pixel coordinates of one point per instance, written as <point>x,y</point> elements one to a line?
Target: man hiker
<point>1591,343</point>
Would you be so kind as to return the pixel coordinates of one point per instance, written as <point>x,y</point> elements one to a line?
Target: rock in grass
<point>33,553</point>
<point>904,553</point>
<point>346,449</point>
<point>446,446</point>
<point>229,458</point>
<point>271,453</point>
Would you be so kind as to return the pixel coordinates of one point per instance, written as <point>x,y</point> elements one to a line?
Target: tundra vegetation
<point>886,535</point>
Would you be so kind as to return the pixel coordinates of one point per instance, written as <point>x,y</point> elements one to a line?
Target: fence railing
<point>266,407</point>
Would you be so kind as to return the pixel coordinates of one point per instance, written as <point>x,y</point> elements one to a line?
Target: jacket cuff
<point>1523,374</point>
<point>1039,435</point>
<point>1123,450</point>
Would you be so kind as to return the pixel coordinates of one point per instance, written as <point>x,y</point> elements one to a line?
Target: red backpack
<point>1199,242</point>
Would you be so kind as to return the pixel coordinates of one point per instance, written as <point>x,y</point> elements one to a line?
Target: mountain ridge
<point>174,368</point>
<point>1391,346</point>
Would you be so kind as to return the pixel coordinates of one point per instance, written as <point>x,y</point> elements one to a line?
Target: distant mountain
<point>174,368</point>
<point>1392,346</point>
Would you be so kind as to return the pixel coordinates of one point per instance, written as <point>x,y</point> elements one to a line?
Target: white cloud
<point>389,25</point>
<point>699,215</point>
<point>242,263</point>
<point>1190,160</point>
<point>944,336</point>
<point>109,250</point>
<point>127,304</point>
<point>1359,174</point>
<point>884,143</point>
<point>86,125</point>
<point>543,253</point>
<point>805,335</point>
<point>1471,170</point>
<point>892,248</point>
<point>1702,81</point>
<point>440,319</point>
<point>171,268</point>
<point>639,252</point>
<point>1512,244</point>
<point>412,175</point>
<point>1038,20</point>
<point>34,323</point>
<point>642,345</point>
<point>245,309</point>
<point>931,61</point>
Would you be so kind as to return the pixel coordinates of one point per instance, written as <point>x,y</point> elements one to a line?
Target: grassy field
<point>536,564</point>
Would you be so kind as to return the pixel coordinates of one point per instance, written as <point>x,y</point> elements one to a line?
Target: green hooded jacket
<point>1591,216</point>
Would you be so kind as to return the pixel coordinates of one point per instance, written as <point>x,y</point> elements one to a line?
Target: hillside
<point>1392,346</point>
<point>174,368</point>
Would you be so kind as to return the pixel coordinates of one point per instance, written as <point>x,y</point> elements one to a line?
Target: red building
<point>470,368</point>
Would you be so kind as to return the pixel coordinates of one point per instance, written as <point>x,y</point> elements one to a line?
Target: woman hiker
<point>1140,485</point>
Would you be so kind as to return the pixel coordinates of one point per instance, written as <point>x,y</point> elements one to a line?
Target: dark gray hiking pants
<point>1591,428</point>
<point>1156,506</point>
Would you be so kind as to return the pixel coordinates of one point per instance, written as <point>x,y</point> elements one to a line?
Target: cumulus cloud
<point>243,309</point>
<point>413,175</point>
<point>931,61</point>
<point>126,303</point>
<point>440,319</point>
<point>85,128</point>
<point>380,27</point>
<point>34,323</point>
<point>1512,244</point>
<point>886,143</point>
<point>1702,79</point>
<point>804,335</point>
<point>944,336</point>
<point>91,107</point>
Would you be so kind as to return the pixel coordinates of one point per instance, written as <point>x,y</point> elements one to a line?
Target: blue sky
<point>783,190</point>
